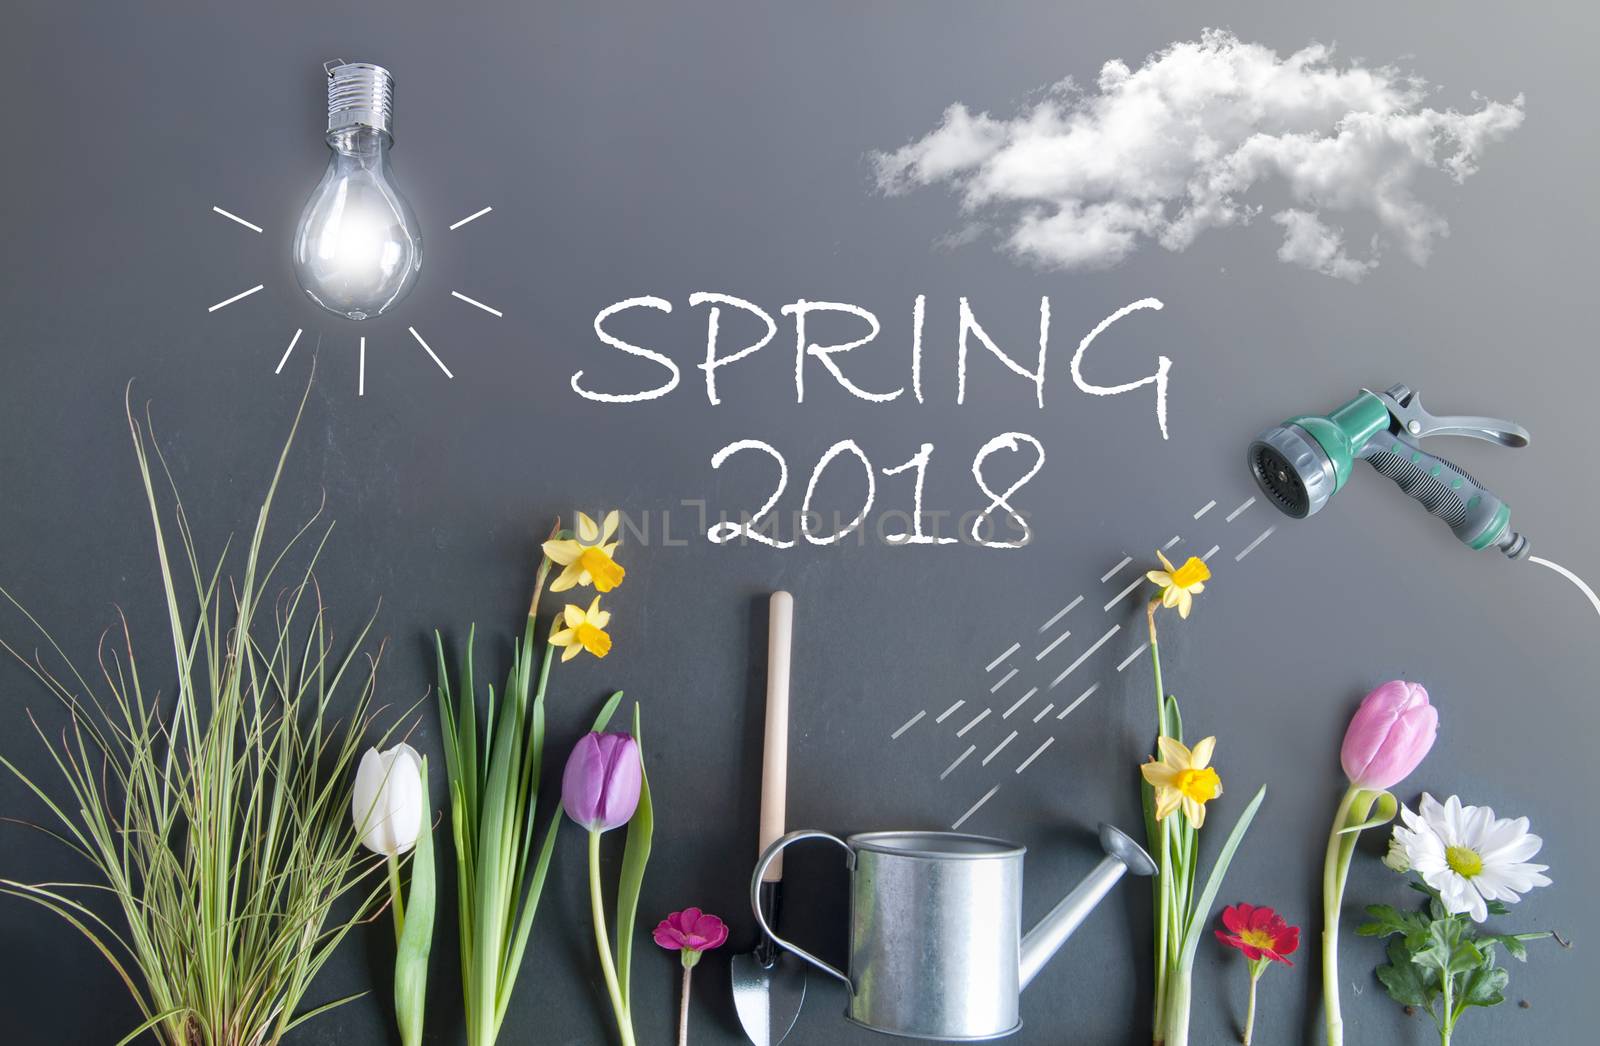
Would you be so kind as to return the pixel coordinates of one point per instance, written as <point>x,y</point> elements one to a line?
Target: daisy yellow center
<point>593,639</point>
<point>1464,861</point>
<point>1200,785</point>
<point>1190,573</point>
<point>601,567</point>
<point>1258,939</point>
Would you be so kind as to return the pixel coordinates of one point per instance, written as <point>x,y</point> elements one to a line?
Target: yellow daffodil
<point>1182,777</point>
<point>1179,585</point>
<point>582,630</point>
<point>586,558</point>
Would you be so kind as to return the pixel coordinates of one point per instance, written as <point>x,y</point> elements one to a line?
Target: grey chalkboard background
<point>667,149</point>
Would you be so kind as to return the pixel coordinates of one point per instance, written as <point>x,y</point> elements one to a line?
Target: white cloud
<point>1081,179</point>
<point>1308,241</point>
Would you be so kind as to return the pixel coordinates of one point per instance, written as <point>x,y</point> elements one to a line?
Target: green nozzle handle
<point>1303,462</point>
<point>1476,516</point>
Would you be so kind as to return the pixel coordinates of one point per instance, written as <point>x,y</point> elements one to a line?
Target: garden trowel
<point>769,984</point>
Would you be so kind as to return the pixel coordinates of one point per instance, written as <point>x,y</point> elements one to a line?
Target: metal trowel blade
<point>768,998</point>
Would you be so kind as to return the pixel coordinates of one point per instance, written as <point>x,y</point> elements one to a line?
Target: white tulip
<point>387,804</point>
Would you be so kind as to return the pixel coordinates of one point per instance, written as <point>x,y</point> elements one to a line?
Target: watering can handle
<point>771,854</point>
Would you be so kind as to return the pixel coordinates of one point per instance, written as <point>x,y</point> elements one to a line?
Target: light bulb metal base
<point>360,95</point>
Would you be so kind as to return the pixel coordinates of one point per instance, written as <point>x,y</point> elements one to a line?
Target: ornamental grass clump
<point>211,809</point>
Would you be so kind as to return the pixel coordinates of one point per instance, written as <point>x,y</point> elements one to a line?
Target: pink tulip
<point>1389,735</point>
<point>601,783</point>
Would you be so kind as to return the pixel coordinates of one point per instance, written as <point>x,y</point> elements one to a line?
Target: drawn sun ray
<point>236,297</point>
<point>471,217</point>
<point>299,332</point>
<point>234,217</point>
<point>430,352</point>
<point>490,310</point>
<point>292,343</point>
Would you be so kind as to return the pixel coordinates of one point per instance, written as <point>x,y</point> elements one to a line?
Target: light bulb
<point>357,249</point>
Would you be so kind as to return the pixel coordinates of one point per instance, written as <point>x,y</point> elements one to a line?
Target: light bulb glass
<point>357,249</point>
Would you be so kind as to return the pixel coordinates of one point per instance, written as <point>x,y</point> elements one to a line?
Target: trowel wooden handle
<point>775,747</point>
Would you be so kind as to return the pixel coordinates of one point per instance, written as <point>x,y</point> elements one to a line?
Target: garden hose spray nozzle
<point>1303,462</point>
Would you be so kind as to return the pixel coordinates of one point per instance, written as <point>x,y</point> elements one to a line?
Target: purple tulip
<point>600,786</point>
<point>1389,735</point>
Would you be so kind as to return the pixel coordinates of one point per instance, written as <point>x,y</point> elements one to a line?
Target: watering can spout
<point>1123,855</point>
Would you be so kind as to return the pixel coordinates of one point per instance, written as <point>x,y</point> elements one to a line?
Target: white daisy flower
<point>1470,856</point>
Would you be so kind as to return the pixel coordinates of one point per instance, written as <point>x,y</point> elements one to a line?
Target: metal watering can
<point>936,943</point>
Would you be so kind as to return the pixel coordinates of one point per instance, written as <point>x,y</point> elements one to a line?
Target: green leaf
<point>1407,983</point>
<point>467,733</point>
<point>1514,946</point>
<point>1449,948</point>
<point>1173,726</point>
<point>1483,985</point>
<point>1387,806</point>
<point>416,938</point>
<point>607,710</point>
<point>1388,920</point>
<point>635,855</point>
<point>1199,914</point>
<point>530,906</point>
<point>1147,803</point>
<point>1435,949</point>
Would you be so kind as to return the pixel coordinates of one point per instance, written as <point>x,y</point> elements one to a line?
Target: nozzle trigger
<point>1405,406</point>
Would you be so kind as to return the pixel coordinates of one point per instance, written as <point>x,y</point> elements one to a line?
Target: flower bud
<point>600,786</point>
<point>1389,735</point>
<point>386,803</point>
<point>1397,859</point>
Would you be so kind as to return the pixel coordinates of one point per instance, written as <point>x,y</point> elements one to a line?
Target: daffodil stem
<point>1335,870</point>
<point>602,942</point>
<point>541,575</point>
<point>1155,663</point>
<point>1162,845</point>
<point>1163,921</point>
<point>1176,1032</point>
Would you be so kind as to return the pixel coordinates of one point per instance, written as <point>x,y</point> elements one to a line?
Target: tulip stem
<point>602,941</point>
<point>395,893</point>
<point>1335,870</point>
